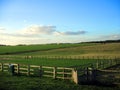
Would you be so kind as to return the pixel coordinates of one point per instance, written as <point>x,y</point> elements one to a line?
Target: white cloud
<point>37,34</point>
<point>37,30</point>
<point>10,39</point>
<point>74,33</point>
<point>40,34</point>
<point>109,37</point>
<point>70,33</point>
<point>46,30</point>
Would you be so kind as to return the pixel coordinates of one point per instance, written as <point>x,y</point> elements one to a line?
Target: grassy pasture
<point>110,49</point>
<point>83,49</point>
<point>33,48</point>
<point>51,62</point>
<point>60,55</point>
<point>8,82</point>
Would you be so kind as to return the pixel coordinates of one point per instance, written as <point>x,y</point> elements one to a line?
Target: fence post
<point>40,69</point>
<point>110,62</point>
<point>17,68</point>
<point>2,67</point>
<point>103,64</point>
<point>75,76</point>
<point>28,73</point>
<point>63,73</point>
<point>90,74</point>
<point>97,65</point>
<point>116,61</point>
<point>88,57</point>
<point>87,73</point>
<point>54,72</point>
<point>83,58</point>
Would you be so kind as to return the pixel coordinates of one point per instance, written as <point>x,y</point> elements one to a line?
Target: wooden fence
<point>99,64</point>
<point>75,74</point>
<point>91,72</point>
<point>41,71</point>
<point>8,57</point>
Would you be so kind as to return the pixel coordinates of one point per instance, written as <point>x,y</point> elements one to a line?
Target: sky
<point>58,21</point>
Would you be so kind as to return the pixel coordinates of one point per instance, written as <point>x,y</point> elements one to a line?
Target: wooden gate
<point>108,76</point>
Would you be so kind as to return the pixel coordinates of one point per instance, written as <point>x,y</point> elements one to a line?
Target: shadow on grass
<point>98,83</point>
<point>101,82</point>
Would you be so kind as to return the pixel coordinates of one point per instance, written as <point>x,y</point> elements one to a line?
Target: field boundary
<point>41,71</point>
<point>65,73</point>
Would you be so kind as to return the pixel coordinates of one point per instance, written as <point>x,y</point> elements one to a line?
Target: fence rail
<point>80,57</point>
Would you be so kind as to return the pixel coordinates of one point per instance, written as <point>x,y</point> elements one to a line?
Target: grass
<point>110,49</point>
<point>51,62</point>
<point>34,48</point>
<point>89,49</point>
<point>16,54</point>
<point>8,82</point>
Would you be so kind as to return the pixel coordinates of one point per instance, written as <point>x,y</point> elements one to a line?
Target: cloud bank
<point>109,37</point>
<point>37,29</point>
<point>46,30</point>
<point>42,34</point>
<point>37,34</point>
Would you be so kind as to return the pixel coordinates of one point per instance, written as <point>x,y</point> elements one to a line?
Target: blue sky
<point>51,21</point>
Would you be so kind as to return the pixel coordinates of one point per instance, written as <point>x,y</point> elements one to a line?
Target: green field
<point>8,82</point>
<point>33,48</point>
<point>51,62</point>
<point>84,49</point>
<point>59,55</point>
